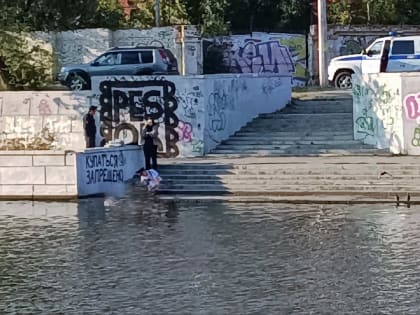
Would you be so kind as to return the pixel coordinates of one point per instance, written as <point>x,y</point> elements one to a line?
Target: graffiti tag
<point>139,98</point>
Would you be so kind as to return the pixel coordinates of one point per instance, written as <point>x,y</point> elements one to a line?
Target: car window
<point>109,59</point>
<point>130,58</point>
<point>403,47</point>
<point>376,49</point>
<point>146,56</point>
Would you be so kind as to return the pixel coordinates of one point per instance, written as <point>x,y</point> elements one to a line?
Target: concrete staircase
<point>293,179</point>
<point>303,153</point>
<point>305,127</point>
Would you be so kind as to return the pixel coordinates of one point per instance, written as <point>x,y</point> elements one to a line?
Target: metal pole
<point>157,13</point>
<point>322,43</point>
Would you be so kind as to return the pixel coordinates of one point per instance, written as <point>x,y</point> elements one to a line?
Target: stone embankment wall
<point>253,53</point>
<point>40,131</point>
<point>43,120</point>
<point>37,174</point>
<point>386,111</point>
<point>195,113</point>
<point>84,45</point>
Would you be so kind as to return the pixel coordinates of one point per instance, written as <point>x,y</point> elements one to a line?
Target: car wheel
<point>343,80</point>
<point>77,82</point>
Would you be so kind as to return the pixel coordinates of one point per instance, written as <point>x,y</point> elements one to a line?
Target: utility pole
<point>157,13</point>
<point>322,43</point>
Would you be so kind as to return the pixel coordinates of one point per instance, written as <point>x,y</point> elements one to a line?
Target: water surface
<point>140,256</point>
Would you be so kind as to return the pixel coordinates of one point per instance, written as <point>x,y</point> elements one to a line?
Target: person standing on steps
<point>150,143</point>
<point>90,127</point>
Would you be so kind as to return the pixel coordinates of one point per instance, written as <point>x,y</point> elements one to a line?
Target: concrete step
<point>304,116</point>
<point>298,149</point>
<point>233,141</point>
<point>287,177</point>
<point>290,188</point>
<point>292,172</point>
<point>244,138</point>
<point>267,122</point>
<point>283,114</point>
<point>278,182</point>
<point>279,127</point>
<point>318,109</point>
<point>323,102</point>
<point>296,133</point>
<point>303,152</point>
<point>302,198</point>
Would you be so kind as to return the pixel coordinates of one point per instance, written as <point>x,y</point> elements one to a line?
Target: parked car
<point>137,60</point>
<point>398,54</point>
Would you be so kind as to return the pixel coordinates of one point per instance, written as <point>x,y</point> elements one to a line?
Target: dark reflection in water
<point>140,256</point>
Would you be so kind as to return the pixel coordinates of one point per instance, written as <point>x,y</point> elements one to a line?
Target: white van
<point>387,54</point>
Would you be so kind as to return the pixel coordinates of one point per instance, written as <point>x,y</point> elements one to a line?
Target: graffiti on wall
<point>105,167</point>
<point>160,37</point>
<point>257,56</point>
<point>43,140</point>
<point>411,105</point>
<point>133,100</point>
<point>189,101</point>
<point>365,123</point>
<point>377,109</point>
<point>260,53</point>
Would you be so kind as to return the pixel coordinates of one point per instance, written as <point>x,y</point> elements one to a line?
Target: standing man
<point>150,141</point>
<point>90,127</point>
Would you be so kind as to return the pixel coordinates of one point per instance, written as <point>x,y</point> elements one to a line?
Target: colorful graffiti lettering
<point>258,57</point>
<point>44,108</point>
<point>184,130</point>
<point>412,106</point>
<point>258,53</point>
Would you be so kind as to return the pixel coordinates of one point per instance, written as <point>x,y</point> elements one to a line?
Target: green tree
<point>383,12</point>
<point>23,64</point>
<point>247,16</point>
<point>209,15</point>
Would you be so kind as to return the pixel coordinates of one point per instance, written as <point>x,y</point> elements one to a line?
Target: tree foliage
<point>247,16</point>
<point>385,12</point>
<point>21,67</point>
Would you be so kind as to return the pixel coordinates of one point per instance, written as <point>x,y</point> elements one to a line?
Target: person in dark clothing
<point>150,142</point>
<point>90,127</point>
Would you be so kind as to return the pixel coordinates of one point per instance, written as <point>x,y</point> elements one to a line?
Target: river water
<point>137,255</point>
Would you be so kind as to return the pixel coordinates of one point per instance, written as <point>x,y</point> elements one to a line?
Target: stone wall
<point>37,174</point>
<point>386,111</point>
<point>107,170</point>
<point>195,113</point>
<point>261,53</point>
<point>84,45</point>
<point>43,120</point>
